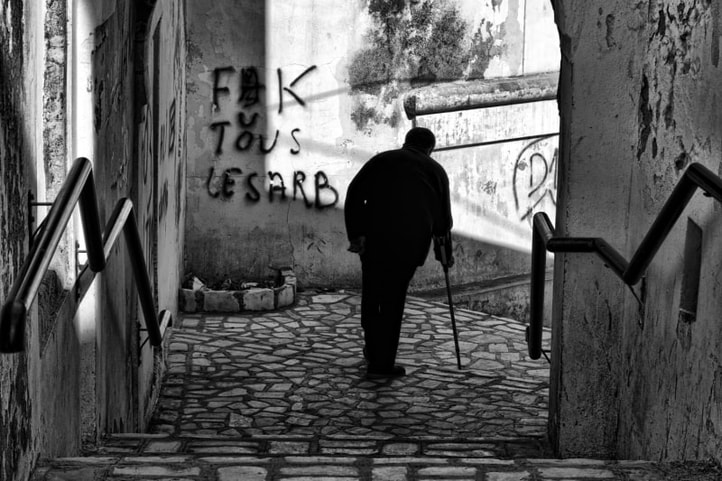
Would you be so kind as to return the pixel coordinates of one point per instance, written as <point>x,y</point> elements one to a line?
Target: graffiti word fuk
<point>535,177</point>
<point>250,86</point>
<point>250,93</point>
<point>224,186</point>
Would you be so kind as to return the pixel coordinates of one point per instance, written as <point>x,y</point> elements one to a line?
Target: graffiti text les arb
<point>225,185</point>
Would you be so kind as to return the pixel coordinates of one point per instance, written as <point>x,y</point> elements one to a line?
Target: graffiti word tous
<point>250,90</point>
<point>535,175</point>
<point>223,185</point>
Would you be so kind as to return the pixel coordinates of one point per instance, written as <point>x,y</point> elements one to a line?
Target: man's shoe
<point>396,371</point>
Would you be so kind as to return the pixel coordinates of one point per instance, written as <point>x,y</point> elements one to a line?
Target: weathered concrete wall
<point>631,381</point>
<point>40,389</point>
<point>116,327</point>
<point>287,101</point>
<point>161,169</point>
<point>17,139</point>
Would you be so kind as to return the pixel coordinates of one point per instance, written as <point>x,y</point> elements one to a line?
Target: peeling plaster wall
<point>287,100</point>
<point>117,326</point>
<point>127,376</point>
<point>18,450</point>
<point>40,388</point>
<point>161,169</point>
<point>639,102</point>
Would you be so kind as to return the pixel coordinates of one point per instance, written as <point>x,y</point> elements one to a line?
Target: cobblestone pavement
<point>282,396</point>
<point>301,371</point>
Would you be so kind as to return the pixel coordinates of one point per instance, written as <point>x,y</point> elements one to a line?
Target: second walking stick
<point>442,246</point>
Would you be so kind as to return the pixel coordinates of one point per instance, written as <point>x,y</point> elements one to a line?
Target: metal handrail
<point>79,189</point>
<point>696,176</point>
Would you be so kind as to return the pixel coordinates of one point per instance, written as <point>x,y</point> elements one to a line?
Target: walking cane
<point>441,244</point>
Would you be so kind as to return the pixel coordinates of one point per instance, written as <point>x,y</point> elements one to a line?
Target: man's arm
<point>443,249</point>
<point>355,212</point>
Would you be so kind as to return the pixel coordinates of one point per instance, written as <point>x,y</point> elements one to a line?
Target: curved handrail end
<point>12,327</point>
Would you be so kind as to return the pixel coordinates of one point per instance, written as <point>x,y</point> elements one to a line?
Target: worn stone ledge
<point>253,299</point>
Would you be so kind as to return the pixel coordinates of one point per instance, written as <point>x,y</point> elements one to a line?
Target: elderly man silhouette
<point>395,205</point>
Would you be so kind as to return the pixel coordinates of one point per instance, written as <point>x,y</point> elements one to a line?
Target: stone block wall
<point>202,299</point>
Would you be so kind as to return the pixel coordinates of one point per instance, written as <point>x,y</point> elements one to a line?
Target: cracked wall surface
<point>639,102</point>
<point>18,435</point>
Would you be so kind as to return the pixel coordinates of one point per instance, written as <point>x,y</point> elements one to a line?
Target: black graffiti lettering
<point>273,187</point>
<point>229,182</point>
<point>221,134</point>
<point>224,186</point>
<point>298,144</point>
<point>247,123</point>
<point>250,87</point>
<point>244,140</point>
<point>321,183</point>
<point>213,193</point>
<point>262,147</point>
<point>161,148</point>
<point>171,127</point>
<point>253,194</point>
<point>282,89</point>
<point>299,178</point>
<point>538,189</point>
<point>216,81</point>
<point>532,186</point>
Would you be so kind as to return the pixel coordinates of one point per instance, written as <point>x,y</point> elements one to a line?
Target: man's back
<point>397,201</point>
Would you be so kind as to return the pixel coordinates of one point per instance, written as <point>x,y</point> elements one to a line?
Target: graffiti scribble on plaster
<point>414,43</point>
<point>535,176</point>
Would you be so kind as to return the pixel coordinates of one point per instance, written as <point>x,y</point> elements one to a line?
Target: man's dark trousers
<point>382,308</point>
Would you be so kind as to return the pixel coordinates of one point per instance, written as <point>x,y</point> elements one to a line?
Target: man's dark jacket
<point>398,200</point>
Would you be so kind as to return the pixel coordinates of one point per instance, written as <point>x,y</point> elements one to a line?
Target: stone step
<point>291,458</point>
<point>345,445</point>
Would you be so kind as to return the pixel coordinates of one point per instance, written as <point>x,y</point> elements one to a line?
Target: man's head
<point>421,139</point>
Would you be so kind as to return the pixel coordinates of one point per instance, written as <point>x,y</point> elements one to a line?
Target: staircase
<point>282,396</point>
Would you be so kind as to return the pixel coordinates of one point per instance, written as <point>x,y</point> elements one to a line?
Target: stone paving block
<point>224,450</point>
<point>92,460</point>
<point>258,299</point>
<point>400,449</point>
<point>155,471</point>
<point>289,447</point>
<point>449,471</point>
<point>234,460</point>
<point>162,447</point>
<point>82,474</point>
<point>395,473</point>
<point>571,462</point>
<point>509,476</point>
<point>320,470</point>
<point>319,460</point>
<point>319,478</point>
<point>245,473</point>
<point>220,301</point>
<point>572,473</point>
<point>156,459</point>
<point>411,460</point>
<point>350,451</point>
<point>488,461</point>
